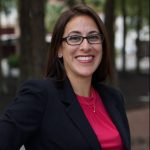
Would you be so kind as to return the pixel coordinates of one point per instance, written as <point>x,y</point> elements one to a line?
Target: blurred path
<point>139,126</point>
<point>135,88</point>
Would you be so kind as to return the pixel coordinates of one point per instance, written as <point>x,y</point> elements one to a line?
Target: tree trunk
<point>139,24</point>
<point>38,43</point>
<point>26,65</point>
<point>123,4</point>
<point>109,23</point>
<point>32,40</point>
<point>1,77</point>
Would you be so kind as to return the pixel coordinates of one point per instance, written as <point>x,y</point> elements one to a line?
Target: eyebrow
<point>78,32</point>
<point>74,32</point>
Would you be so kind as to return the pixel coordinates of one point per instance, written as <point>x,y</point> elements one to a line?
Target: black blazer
<point>46,116</point>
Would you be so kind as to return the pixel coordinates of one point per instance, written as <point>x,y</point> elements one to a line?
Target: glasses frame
<point>84,37</point>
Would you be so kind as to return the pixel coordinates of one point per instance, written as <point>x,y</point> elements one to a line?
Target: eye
<point>74,38</point>
<point>94,37</point>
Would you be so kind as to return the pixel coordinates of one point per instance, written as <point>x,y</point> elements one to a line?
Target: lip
<point>85,58</point>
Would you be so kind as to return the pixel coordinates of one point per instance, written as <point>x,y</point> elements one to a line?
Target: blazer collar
<point>114,111</point>
<point>77,116</point>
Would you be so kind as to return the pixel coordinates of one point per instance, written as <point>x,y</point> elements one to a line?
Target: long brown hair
<point>55,66</point>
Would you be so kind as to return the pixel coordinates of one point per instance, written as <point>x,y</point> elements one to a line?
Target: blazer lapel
<point>77,116</point>
<point>115,114</point>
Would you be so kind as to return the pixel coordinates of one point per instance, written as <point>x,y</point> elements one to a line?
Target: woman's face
<point>80,61</point>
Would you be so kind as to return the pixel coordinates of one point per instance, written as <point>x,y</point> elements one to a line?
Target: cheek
<point>100,54</point>
<point>99,50</point>
<point>68,51</point>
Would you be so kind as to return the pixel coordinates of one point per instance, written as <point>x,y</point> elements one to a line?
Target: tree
<point>138,28</point>
<point>124,14</point>
<point>97,5</point>
<point>138,12</point>
<point>5,6</point>
<point>26,55</point>
<point>71,3</point>
<point>0,59</point>
<point>32,40</point>
<point>53,11</point>
<point>38,43</point>
<point>1,77</point>
<point>109,9</point>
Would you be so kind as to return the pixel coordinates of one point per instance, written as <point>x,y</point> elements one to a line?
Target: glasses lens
<point>95,38</point>
<point>73,40</point>
<point>77,39</point>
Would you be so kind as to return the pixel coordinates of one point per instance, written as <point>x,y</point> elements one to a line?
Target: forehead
<point>82,23</point>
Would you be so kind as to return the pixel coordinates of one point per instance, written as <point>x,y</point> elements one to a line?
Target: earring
<point>59,55</point>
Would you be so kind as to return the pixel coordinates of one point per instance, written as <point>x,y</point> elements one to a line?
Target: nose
<point>85,45</point>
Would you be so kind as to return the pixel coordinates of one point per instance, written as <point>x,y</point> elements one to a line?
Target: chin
<point>86,74</point>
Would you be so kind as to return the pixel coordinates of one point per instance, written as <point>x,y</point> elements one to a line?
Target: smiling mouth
<point>85,58</point>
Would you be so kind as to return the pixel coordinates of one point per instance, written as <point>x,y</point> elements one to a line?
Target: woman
<point>71,109</point>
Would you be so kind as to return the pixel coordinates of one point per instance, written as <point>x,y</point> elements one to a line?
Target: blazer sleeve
<point>22,118</point>
<point>121,102</point>
<point>121,106</point>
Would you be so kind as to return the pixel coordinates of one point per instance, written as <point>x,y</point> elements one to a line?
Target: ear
<point>60,53</point>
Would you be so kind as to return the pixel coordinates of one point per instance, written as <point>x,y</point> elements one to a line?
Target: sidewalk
<point>139,126</point>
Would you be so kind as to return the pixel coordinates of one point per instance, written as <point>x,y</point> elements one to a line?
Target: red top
<point>106,132</point>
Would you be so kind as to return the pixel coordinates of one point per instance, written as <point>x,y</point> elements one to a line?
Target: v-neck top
<point>100,121</point>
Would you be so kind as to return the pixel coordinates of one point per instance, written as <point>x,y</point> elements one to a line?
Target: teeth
<point>84,58</point>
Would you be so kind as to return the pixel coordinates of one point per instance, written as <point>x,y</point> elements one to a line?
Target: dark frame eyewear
<point>77,39</point>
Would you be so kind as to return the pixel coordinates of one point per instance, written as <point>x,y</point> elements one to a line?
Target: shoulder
<point>37,86</point>
<point>36,91</point>
<point>27,109</point>
<point>112,92</point>
<point>31,97</point>
<point>112,89</point>
<point>109,88</point>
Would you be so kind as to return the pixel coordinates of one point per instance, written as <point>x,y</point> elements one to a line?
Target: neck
<point>81,86</point>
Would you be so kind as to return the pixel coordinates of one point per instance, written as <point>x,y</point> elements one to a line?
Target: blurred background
<point>25,35</point>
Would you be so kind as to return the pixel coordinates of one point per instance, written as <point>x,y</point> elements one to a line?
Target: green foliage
<point>13,60</point>
<point>96,4</point>
<point>6,5</point>
<point>51,15</point>
<point>132,7</point>
<point>71,3</point>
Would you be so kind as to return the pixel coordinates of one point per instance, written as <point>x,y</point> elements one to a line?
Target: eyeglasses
<point>77,39</point>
